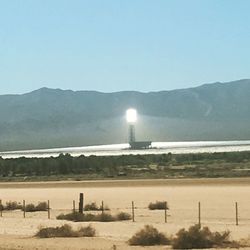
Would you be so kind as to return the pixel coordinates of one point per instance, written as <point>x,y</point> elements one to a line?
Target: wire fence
<point>140,212</point>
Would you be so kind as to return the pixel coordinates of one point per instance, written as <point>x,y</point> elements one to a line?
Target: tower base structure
<point>132,141</point>
<point>140,144</point>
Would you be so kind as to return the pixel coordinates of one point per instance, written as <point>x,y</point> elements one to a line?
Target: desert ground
<point>216,196</point>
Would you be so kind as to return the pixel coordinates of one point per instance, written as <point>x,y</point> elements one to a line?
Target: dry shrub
<point>123,216</point>
<point>30,208</point>
<point>158,205</point>
<point>91,207</point>
<point>94,207</point>
<point>87,217</point>
<point>103,217</point>
<point>65,231</point>
<point>195,237</point>
<point>42,206</point>
<point>49,232</point>
<point>245,242</point>
<point>88,231</point>
<point>148,236</point>
<point>71,217</point>
<point>12,205</point>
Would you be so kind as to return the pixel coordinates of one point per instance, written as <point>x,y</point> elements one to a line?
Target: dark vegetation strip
<point>228,164</point>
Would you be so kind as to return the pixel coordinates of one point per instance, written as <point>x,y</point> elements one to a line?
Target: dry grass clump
<point>103,217</point>
<point>65,231</point>
<point>94,207</point>
<point>148,236</point>
<point>75,216</point>
<point>198,238</point>
<point>158,205</point>
<point>11,205</point>
<point>245,242</point>
<point>41,206</point>
<point>87,231</point>
<point>123,216</point>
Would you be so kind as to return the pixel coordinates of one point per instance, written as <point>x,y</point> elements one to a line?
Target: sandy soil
<point>217,197</point>
<point>27,243</point>
<point>128,183</point>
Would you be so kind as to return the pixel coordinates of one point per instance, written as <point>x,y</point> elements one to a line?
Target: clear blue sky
<point>113,45</point>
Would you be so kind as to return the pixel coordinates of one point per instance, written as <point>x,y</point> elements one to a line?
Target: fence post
<point>199,214</point>
<point>165,210</point>
<point>236,213</point>
<point>133,211</point>
<point>74,206</point>
<point>1,209</point>
<point>48,210</point>
<point>102,207</point>
<point>81,203</point>
<point>24,208</point>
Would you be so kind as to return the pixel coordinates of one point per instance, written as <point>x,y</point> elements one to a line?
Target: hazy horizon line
<point>118,91</point>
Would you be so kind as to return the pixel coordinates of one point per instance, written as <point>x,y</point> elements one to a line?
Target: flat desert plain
<point>216,196</point>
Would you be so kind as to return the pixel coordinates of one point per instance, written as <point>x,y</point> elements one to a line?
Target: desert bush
<point>195,237</point>
<point>158,205</point>
<point>12,205</point>
<point>148,236</point>
<point>94,207</point>
<point>42,206</point>
<point>103,217</point>
<point>30,208</point>
<point>91,207</point>
<point>88,217</point>
<point>88,231</point>
<point>123,216</point>
<point>49,232</point>
<point>65,231</point>
<point>72,217</point>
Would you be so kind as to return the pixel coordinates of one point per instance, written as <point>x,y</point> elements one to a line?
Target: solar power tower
<point>131,115</point>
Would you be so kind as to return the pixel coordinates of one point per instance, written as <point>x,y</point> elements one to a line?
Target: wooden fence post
<point>236,214</point>
<point>199,214</point>
<point>133,211</point>
<point>102,207</point>
<point>81,203</point>
<point>24,208</point>
<point>48,210</point>
<point>74,206</point>
<point>165,213</point>
<point>1,209</point>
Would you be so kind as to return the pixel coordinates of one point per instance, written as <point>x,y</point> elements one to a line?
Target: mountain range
<point>47,118</point>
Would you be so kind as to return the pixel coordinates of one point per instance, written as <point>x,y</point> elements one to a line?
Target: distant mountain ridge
<point>57,118</point>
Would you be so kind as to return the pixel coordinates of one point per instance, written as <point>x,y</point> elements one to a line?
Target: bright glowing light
<point>131,115</point>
